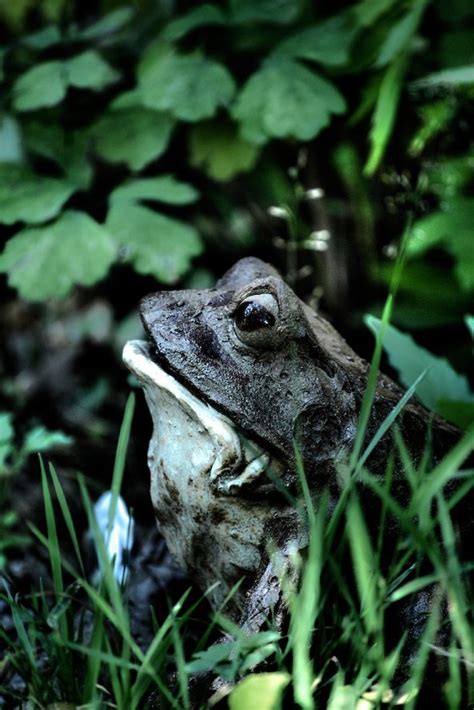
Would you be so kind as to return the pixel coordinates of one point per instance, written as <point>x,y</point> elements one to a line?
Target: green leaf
<point>164,188</point>
<point>441,382</point>
<point>450,78</point>
<point>42,39</point>
<point>369,11</point>
<point>48,261</point>
<point>469,320</point>
<point>259,690</point>
<point>385,111</point>
<point>40,439</point>
<point>450,227</point>
<point>436,117</point>
<point>328,42</point>
<point>46,84</point>
<point>201,16</point>
<point>41,86</point>
<point>90,71</point>
<point>400,35</point>
<point>30,198</point>
<point>190,86</point>
<point>155,244</point>
<point>66,148</point>
<point>6,437</point>
<point>11,148</point>
<point>459,413</point>
<point>107,25</point>
<point>134,136</point>
<point>211,658</point>
<point>218,149</point>
<point>285,100</point>
<point>279,12</point>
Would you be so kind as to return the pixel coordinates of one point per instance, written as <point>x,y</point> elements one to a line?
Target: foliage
<point>442,390</point>
<point>81,98</point>
<point>150,142</point>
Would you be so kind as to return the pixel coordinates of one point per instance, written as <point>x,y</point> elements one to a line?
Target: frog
<point>249,388</point>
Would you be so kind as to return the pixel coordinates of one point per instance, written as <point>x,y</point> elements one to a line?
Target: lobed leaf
<point>441,381</point>
<point>328,42</point>
<point>41,86</point>
<point>90,71</point>
<point>155,244</point>
<point>190,86</point>
<point>48,261</point>
<point>285,100</point>
<point>26,197</point>
<point>46,84</point>
<point>134,136</point>
<point>201,16</point>
<point>217,149</point>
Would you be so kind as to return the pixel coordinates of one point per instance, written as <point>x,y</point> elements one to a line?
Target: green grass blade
<point>120,457</point>
<point>66,515</point>
<point>388,422</point>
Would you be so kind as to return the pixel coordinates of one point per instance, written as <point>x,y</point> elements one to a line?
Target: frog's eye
<point>255,318</point>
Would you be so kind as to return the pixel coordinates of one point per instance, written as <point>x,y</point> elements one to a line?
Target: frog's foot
<point>251,473</point>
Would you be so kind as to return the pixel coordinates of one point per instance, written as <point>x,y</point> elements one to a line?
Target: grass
<point>336,650</point>
<point>341,649</point>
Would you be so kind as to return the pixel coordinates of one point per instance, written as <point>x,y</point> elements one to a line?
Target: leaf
<point>383,118</point>
<point>436,116</point>
<point>134,136</point>
<point>211,658</point>
<point>458,76</point>
<point>66,148</point>
<point>190,86</point>
<point>42,39</point>
<point>164,188</point>
<point>41,439</point>
<point>279,12</point>
<point>459,413</point>
<point>6,437</point>
<point>259,690</point>
<point>30,198</point>
<point>448,178</point>
<point>328,42</point>
<point>400,35</point>
<point>90,71</point>
<point>155,244</point>
<point>368,11</point>
<point>218,149</point>
<point>285,100</point>
<point>201,16</point>
<point>107,25</point>
<point>46,84</point>
<point>41,86</point>
<point>441,382</point>
<point>11,148</point>
<point>48,261</point>
<point>469,320</point>
<point>450,227</point>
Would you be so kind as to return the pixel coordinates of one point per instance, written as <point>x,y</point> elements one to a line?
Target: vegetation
<point>149,144</point>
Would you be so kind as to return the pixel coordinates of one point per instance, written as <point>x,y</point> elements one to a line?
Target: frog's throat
<point>238,461</point>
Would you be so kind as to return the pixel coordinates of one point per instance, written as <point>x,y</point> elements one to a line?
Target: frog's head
<point>255,352</point>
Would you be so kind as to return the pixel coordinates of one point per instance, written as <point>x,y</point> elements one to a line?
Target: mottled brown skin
<point>299,382</point>
<point>306,383</point>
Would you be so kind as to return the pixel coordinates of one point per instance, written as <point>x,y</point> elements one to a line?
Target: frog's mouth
<point>184,425</point>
